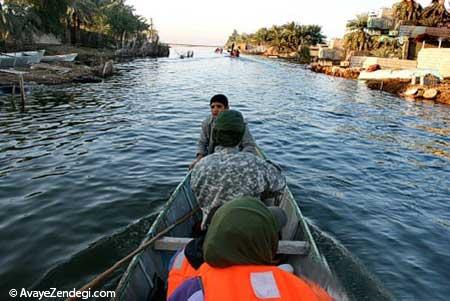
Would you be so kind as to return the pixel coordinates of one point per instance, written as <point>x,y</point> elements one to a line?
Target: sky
<point>203,22</point>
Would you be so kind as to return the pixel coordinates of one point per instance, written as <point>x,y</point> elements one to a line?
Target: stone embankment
<point>351,73</point>
<point>439,93</point>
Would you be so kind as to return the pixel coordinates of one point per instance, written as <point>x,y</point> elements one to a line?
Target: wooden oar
<point>100,278</point>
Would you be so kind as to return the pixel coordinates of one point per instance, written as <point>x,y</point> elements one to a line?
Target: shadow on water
<point>83,266</point>
<point>359,283</point>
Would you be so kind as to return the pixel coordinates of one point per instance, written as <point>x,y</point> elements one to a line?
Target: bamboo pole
<point>22,92</point>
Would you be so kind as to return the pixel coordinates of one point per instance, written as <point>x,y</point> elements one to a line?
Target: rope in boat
<point>100,278</point>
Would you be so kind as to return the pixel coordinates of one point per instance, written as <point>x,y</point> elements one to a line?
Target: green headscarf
<point>242,232</point>
<point>229,128</point>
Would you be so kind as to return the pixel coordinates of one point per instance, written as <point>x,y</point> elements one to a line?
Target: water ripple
<point>86,161</point>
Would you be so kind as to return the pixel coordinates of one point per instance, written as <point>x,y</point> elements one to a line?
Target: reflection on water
<point>85,162</point>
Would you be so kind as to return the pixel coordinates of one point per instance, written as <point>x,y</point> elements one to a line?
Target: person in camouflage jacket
<point>228,174</point>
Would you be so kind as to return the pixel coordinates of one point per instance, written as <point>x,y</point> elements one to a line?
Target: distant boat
<point>60,58</point>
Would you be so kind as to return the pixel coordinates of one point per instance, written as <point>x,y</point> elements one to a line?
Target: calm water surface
<point>85,170</point>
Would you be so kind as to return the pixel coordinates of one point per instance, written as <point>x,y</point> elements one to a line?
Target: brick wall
<point>435,58</point>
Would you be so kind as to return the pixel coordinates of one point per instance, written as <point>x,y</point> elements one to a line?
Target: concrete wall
<point>393,64</point>
<point>357,61</point>
<point>435,58</point>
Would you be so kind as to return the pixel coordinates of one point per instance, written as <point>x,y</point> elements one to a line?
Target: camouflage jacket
<point>228,174</point>
<point>205,145</point>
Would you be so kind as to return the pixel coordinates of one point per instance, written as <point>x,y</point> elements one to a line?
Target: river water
<point>84,171</point>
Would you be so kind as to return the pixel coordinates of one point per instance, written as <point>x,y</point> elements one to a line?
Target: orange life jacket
<point>248,283</point>
<point>255,283</point>
<point>180,271</point>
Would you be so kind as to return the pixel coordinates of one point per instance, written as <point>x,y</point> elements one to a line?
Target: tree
<point>123,23</point>
<point>79,12</point>
<point>262,36</point>
<point>50,13</point>
<point>290,35</point>
<point>407,12</point>
<point>435,14</point>
<point>18,21</point>
<point>314,34</point>
<point>356,38</point>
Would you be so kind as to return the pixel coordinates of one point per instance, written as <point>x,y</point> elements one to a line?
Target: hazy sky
<point>211,22</point>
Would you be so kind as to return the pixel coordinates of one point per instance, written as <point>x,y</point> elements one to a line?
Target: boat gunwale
<point>313,253</point>
<point>123,283</point>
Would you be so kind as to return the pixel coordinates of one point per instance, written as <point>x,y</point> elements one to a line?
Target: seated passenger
<point>228,174</point>
<point>239,252</point>
<point>186,262</point>
<point>205,145</point>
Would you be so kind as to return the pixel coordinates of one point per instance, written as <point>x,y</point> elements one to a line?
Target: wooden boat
<point>146,274</point>
<point>35,57</point>
<point>7,61</point>
<point>22,59</point>
<point>60,58</point>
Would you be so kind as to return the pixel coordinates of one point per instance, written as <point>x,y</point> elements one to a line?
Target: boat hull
<point>60,58</point>
<point>145,277</point>
<point>21,59</point>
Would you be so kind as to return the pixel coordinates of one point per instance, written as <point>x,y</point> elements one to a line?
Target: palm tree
<point>289,34</point>
<point>79,12</point>
<point>17,22</point>
<point>124,24</point>
<point>312,35</point>
<point>262,35</point>
<point>435,14</point>
<point>357,38</point>
<point>407,12</point>
<point>276,36</point>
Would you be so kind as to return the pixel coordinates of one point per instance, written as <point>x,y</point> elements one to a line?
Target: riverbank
<point>350,73</point>
<point>114,151</point>
<point>438,92</point>
<point>90,66</point>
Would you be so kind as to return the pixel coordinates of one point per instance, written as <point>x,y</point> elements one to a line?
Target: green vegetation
<point>290,36</point>
<point>74,21</point>
<point>409,12</point>
<point>405,12</point>
<point>357,38</point>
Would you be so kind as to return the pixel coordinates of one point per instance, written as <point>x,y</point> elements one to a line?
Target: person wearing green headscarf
<point>243,232</point>
<point>239,251</point>
<point>228,174</point>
